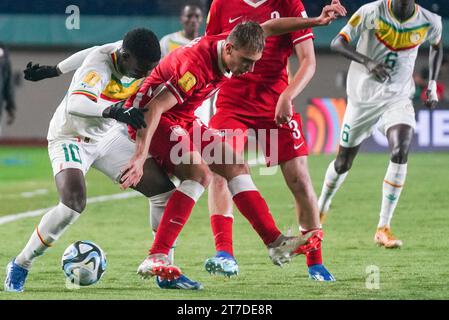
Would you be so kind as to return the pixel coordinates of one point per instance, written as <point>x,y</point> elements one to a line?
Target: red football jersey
<point>261,88</point>
<point>192,73</point>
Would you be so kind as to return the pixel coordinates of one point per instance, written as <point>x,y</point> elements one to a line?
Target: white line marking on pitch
<point>116,196</point>
<point>31,194</point>
<point>38,212</point>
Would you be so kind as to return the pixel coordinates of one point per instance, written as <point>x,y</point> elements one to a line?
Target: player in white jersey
<point>379,88</point>
<point>84,133</point>
<point>191,18</point>
<point>157,202</point>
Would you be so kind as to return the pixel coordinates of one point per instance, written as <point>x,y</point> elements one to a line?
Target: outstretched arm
<point>275,27</point>
<point>36,72</point>
<point>341,45</point>
<point>161,103</point>
<point>435,61</point>
<point>81,106</point>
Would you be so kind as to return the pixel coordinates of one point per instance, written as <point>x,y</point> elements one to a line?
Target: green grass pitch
<point>420,270</point>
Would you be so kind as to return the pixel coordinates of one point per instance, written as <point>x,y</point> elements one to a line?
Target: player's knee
<point>239,169</point>
<point>75,201</point>
<point>219,182</point>
<point>342,164</point>
<point>205,179</point>
<point>297,184</point>
<point>203,176</point>
<point>399,154</point>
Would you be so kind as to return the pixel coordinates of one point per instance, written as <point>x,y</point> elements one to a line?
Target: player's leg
<point>171,144</point>
<point>335,176</point>
<point>220,200</point>
<point>155,184</point>
<point>71,187</point>
<point>398,124</point>
<point>290,150</point>
<point>296,175</point>
<point>221,221</point>
<point>194,177</point>
<point>358,124</point>
<point>252,205</point>
<point>158,187</point>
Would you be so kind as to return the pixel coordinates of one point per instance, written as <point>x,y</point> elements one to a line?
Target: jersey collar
<point>220,48</point>
<point>255,4</point>
<point>390,11</point>
<point>115,62</point>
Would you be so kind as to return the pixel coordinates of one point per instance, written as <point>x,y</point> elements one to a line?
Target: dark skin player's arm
<point>343,47</point>
<point>435,61</point>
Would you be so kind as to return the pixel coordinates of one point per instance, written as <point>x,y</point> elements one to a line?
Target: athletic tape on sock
<point>241,183</point>
<point>192,189</point>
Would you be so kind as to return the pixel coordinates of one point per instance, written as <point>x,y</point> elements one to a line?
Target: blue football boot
<point>15,277</point>
<point>182,283</point>
<point>319,273</point>
<point>223,263</point>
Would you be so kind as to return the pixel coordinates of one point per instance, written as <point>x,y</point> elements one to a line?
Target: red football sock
<point>178,209</point>
<point>313,257</point>
<point>222,230</point>
<point>255,209</point>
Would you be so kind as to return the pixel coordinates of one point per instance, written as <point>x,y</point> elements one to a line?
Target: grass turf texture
<point>417,271</point>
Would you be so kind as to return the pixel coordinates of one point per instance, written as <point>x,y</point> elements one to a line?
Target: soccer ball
<point>83,263</point>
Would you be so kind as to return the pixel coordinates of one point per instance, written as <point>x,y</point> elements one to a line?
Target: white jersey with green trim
<point>383,38</point>
<point>173,41</point>
<point>99,80</point>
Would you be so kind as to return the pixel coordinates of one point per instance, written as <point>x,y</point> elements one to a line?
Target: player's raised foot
<point>285,248</point>
<point>223,264</point>
<point>385,238</point>
<point>182,283</point>
<point>15,277</point>
<point>318,272</point>
<point>158,265</point>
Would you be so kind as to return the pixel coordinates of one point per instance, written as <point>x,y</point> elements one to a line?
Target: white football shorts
<point>360,119</point>
<point>109,155</point>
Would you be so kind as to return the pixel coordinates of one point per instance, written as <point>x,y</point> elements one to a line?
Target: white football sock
<point>51,227</point>
<point>332,182</point>
<point>157,207</point>
<point>391,191</point>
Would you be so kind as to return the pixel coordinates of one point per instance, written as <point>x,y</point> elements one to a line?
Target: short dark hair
<point>143,44</point>
<point>192,5</point>
<point>248,35</point>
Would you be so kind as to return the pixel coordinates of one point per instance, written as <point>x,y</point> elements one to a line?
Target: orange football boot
<point>384,237</point>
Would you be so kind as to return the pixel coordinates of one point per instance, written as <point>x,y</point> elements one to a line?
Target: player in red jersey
<point>263,100</point>
<point>181,82</point>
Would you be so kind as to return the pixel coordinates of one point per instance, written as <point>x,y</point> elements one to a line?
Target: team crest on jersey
<point>187,82</point>
<point>178,130</point>
<point>91,79</point>
<point>415,37</point>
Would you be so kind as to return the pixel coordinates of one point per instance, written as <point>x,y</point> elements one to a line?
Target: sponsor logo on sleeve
<point>187,82</point>
<point>355,20</point>
<point>91,79</point>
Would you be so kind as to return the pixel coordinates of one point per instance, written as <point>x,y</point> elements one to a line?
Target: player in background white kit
<point>84,133</point>
<point>379,88</point>
<point>191,19</point>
